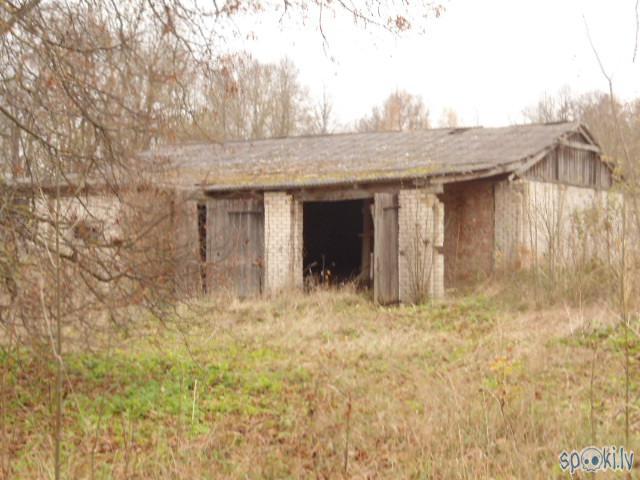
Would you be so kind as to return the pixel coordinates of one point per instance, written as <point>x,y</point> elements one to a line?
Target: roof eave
<point>434,178</point>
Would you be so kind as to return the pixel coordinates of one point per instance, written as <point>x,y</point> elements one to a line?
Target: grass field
<point>328,385</point>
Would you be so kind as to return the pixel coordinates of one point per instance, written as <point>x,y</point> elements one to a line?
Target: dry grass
<point>329,386</point>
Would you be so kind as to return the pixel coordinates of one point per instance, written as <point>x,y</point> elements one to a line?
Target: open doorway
<point>202,244</point>
<point>338,242</point>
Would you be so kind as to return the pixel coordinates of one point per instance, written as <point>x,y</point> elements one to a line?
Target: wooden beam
<point>361,192</point>
<point>232,195</point>
<point>588,135</point>
<point>431,187</point>
<point>332,195</point>
<point>580,146</point>
<point>531,162</point>
<point>357,192</point>
<point>474,175</point>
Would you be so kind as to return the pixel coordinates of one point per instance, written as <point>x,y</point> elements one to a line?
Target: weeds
<point>328,385</point>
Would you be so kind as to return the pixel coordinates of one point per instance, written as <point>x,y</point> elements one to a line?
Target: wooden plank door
<point>246,223</point>
<point>235,246</point>
<point>385,248</point>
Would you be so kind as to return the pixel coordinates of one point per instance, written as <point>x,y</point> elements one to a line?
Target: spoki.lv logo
<point>597,459</point>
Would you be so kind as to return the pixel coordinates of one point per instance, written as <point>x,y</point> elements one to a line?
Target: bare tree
<point>248,100</point>
<point>401,111</point>
<point>449,118</point>
<point>321,116</point>
<point>84,86</point>
<point>552,108</point>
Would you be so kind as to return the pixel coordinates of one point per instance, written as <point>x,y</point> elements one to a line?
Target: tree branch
<point>22,12</point>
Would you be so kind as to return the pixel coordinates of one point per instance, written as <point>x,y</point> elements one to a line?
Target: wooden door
<point>385,248</point>
<point>235,246</point>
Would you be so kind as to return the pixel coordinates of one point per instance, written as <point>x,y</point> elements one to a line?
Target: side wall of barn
<point>560,211</point>
<point>84,215</point>
<point>551,222</point>
<point>150,234</point>
<point>185,221</point>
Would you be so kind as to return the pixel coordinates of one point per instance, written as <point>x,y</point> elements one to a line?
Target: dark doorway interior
<point>334,236</point>
<point>202,243</point>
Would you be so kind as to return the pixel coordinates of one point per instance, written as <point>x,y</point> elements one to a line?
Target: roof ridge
<point>359,156</point>
<point>460,129</point>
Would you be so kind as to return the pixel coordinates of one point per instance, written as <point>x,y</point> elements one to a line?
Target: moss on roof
<point>358,157</point>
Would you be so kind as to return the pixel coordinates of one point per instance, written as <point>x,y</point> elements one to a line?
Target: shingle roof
<point>358,157</point>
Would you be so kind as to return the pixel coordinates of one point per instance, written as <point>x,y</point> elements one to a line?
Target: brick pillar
<point>510,223</point>
<point>282,242</point>
<point>436,284</point>
<point>420,240</point>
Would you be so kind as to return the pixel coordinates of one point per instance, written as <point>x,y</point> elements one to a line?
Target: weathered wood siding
<point>235,246</point>
<point>385,248</point>
<point>572,166</point>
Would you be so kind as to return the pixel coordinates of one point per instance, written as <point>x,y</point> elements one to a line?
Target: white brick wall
<point>553,224</point>
<point>437,279</point>
<point>282,242</point>
<point>187,243</point>
<point>509,222</point>
<point>98,211</point>
<point>297,246</point>
<point>538,220</point>
<point>420,241</point>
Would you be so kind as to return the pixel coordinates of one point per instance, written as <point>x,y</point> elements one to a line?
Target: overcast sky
<point>486,59</point>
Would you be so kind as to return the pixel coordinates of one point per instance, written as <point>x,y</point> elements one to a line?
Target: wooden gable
<point>575,160</point>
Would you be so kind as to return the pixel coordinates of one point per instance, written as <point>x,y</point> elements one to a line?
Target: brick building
<point>406,213</point>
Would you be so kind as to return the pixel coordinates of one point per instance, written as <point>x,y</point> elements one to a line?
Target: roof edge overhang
<point>513,169</point>
<point>481,171</point>
<point>415,180</point>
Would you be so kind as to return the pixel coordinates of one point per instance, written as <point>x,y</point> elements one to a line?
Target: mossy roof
<point>325,160</point>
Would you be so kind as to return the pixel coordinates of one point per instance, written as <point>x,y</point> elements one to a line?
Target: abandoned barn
<point>406,213</point>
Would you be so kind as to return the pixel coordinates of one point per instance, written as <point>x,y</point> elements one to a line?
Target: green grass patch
<point>273,389</point>
<point>152,387</point>
<point>608,338</point>
<point>476,313</point>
